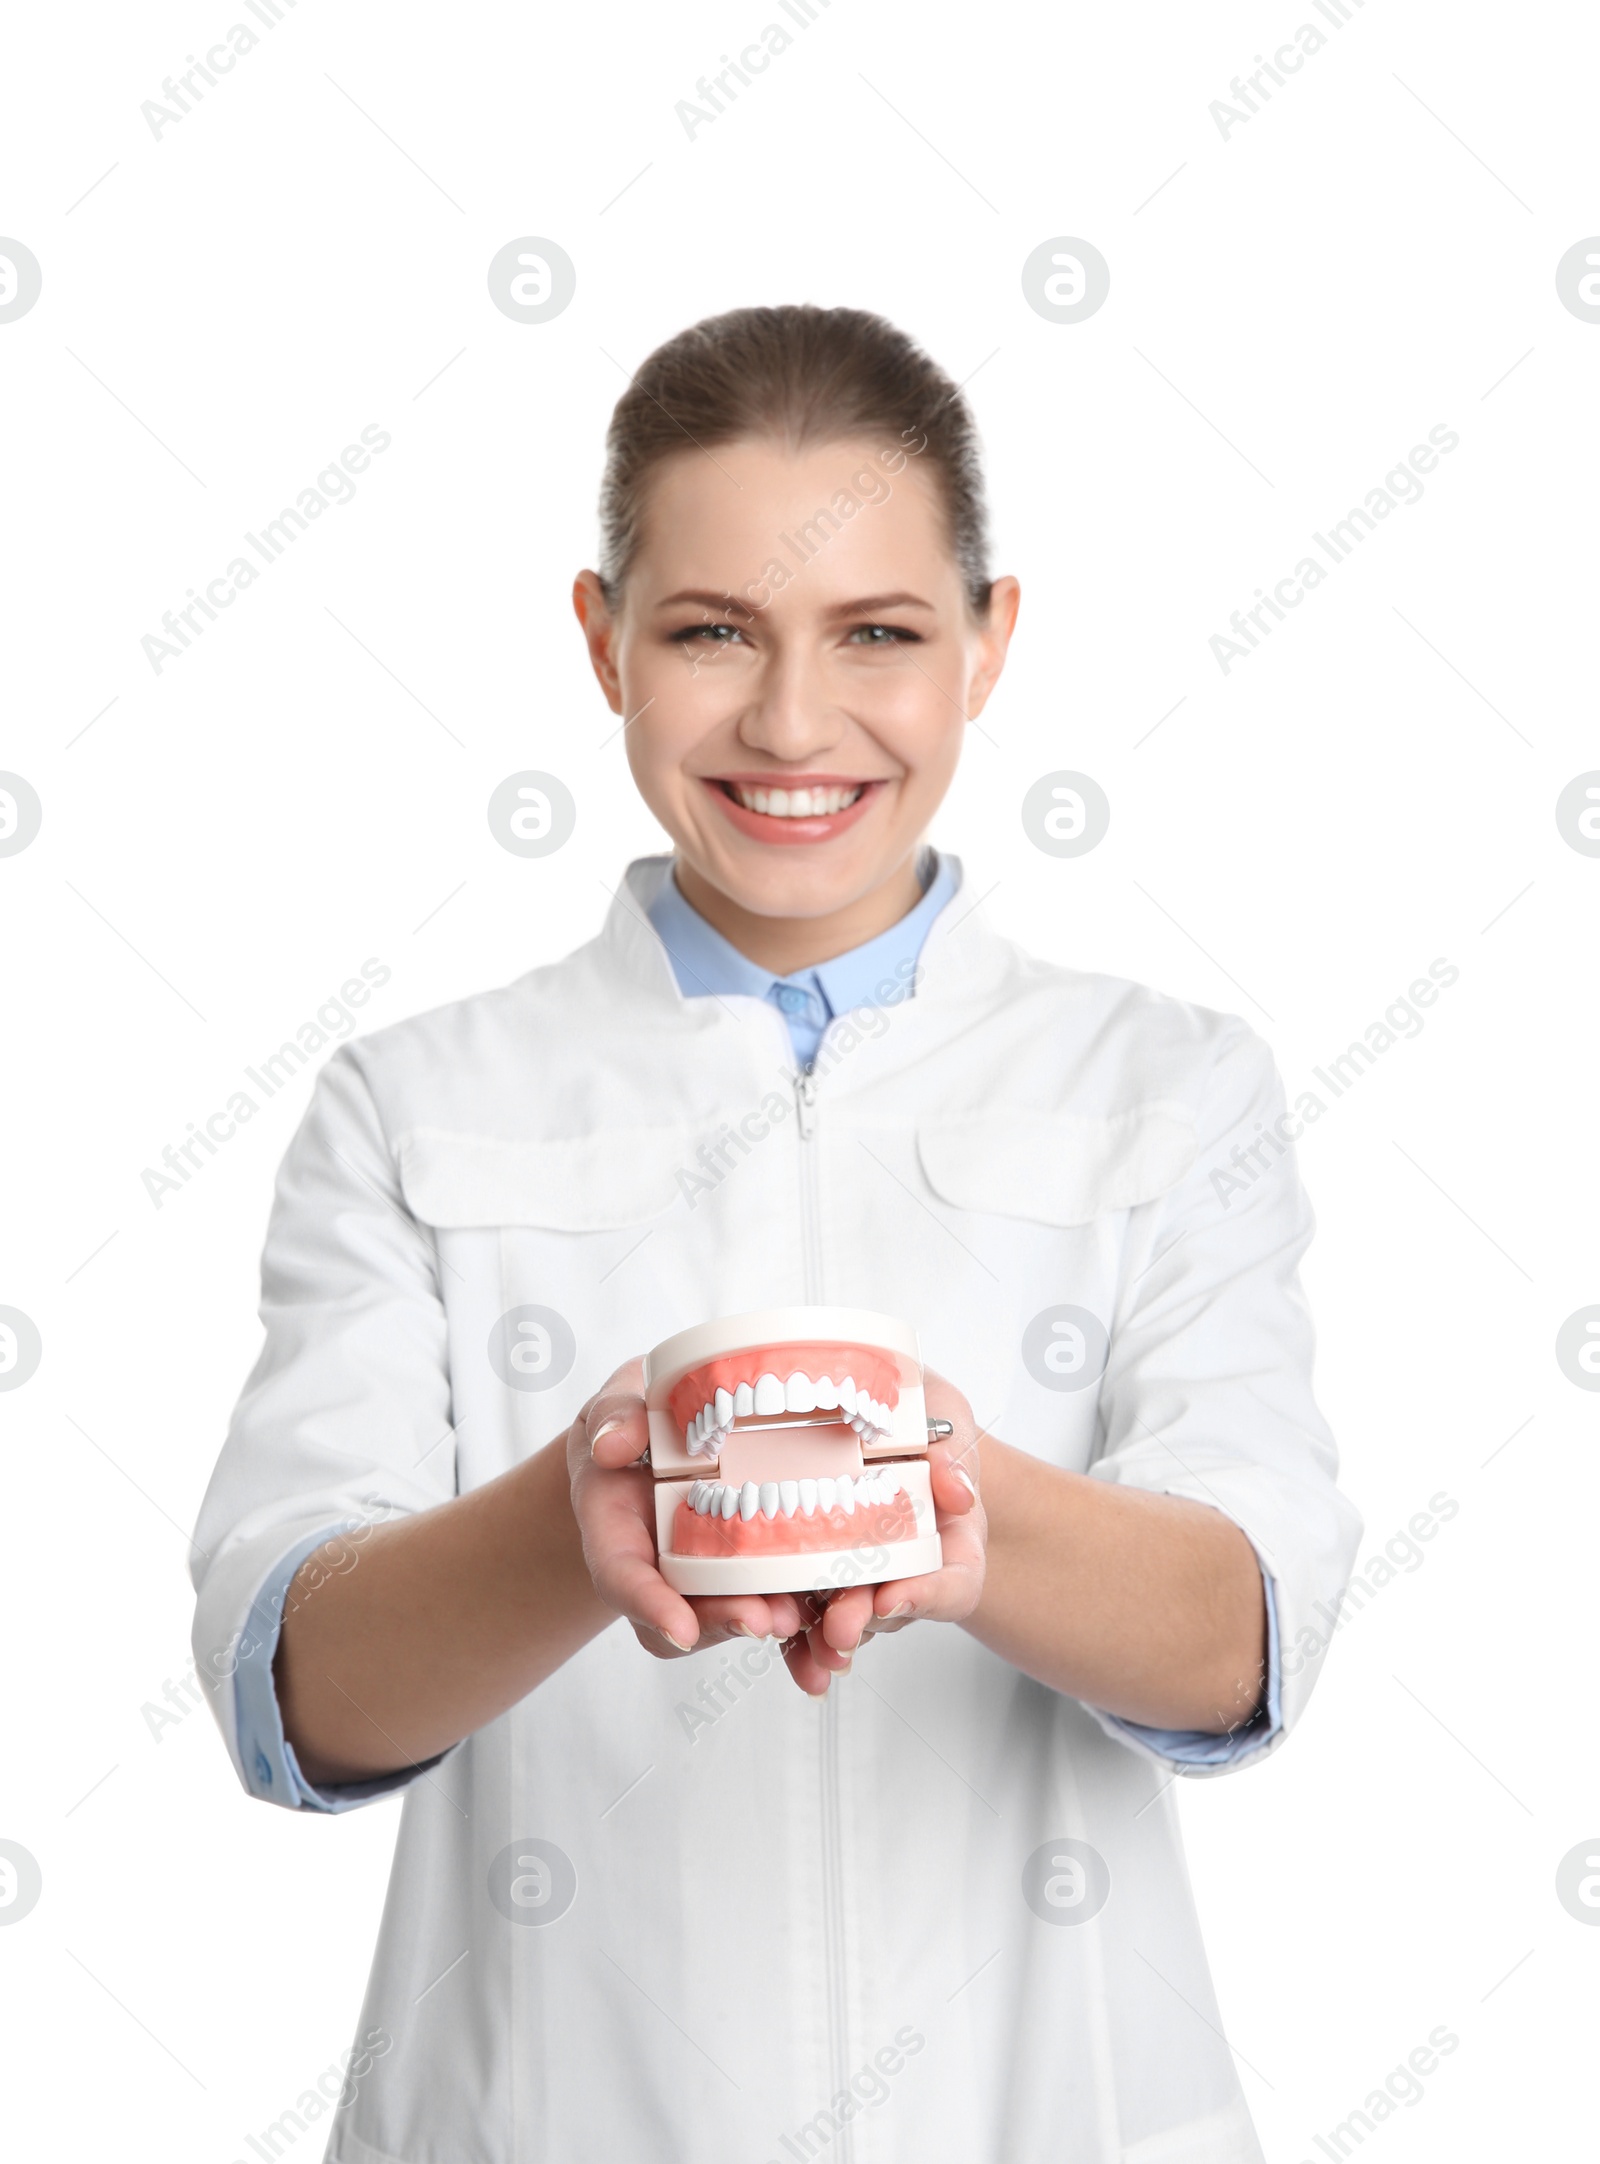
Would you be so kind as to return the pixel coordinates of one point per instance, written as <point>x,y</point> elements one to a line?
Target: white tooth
<point>769,1394</point>
<point>847,1495</point>
<point>847,1396</point>
<point>789,1496</point>
<point>891,1482</point>
<point>827,1394</point>
<point>697,1488</point>
<point>702,1422</point>
<point>808,1497</point>
<point>749,1500</point>
<point>827,1494</point>
<point>690,1438</point>
<point>798,1394</point>
<point>768,1494</point>
<point>728,1502</point>
<point>858,1423</point>
<point>778,803</point>
<point>706,1501</point>
<point>724,1405</point>
<point>744,1402</point>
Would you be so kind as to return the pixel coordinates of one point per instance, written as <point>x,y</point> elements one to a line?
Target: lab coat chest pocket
<point>1043,1199</point>
<point>531,1237</point>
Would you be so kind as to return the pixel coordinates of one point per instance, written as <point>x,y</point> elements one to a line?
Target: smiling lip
<point>808,827</point>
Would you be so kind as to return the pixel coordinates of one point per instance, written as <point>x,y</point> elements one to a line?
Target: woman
<point>930,1902</point>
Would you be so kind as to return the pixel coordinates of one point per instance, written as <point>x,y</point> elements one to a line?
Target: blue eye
<point>885,635</point>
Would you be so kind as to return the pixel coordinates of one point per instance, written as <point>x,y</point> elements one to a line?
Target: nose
<point>790,715</point>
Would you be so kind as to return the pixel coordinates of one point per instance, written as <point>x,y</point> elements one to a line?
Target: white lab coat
<point>799,1929</point>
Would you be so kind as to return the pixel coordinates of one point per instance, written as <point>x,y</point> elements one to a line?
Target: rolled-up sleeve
<point>1208,1385</point>
<point>344,1422</point>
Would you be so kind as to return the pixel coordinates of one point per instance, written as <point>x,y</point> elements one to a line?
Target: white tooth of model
<point>799,1394</point>
<point>827,1492</point>
<point>789,1496</point>
<point>730,1499</point>
<point>749,1500</point>
<point>827,1395</point>
<point>769,1395</point>
<point>847,1397</point>
<point>768,1493</point>
<point>808,1497</point>
<point>847,1495</point>
<point>724,1405</point>
<point>744,1402</point>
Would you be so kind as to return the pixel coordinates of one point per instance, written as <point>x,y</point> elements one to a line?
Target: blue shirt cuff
<point>266,1755</point>
<point>1193,1746</point>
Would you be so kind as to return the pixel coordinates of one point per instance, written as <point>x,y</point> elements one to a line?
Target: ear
<point>993,642</point>
<point>600,632</point>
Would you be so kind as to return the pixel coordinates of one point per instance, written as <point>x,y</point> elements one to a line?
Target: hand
<point>824,1648</point>
<point>614,1504</point>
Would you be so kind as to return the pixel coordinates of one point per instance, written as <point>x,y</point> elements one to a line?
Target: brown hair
<point>805,375</point>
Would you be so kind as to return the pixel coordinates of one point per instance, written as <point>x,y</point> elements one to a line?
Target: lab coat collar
<point>961,955</point>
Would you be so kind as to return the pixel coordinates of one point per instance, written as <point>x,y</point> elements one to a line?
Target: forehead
<point>838,512</point>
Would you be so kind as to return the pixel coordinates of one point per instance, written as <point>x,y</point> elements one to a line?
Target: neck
<point>787,944</point>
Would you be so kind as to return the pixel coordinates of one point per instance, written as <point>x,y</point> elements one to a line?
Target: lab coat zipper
<point>805,1105</point>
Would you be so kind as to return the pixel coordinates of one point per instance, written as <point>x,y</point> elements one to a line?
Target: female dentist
<point>649,1898</point>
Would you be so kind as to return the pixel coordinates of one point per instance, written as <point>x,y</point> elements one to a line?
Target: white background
<point>223,844</point>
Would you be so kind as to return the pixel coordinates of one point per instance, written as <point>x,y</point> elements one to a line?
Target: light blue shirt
<point>876,975</point>
<point>880,973</point>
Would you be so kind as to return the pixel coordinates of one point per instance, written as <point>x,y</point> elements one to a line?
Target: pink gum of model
<point>789,1448</point>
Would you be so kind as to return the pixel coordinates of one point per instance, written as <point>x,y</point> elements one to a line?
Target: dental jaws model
<point>789,1448</point>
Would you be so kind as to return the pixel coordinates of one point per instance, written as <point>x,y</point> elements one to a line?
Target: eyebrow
<point>862,607</point>
<point>725,602</point>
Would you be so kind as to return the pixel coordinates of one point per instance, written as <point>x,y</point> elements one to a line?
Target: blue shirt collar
<point>872,975</point>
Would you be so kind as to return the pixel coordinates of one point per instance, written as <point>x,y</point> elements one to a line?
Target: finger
<point>805,1668</point>
<point>953,1478</point>
<point>659,1646</point>
<point>792,1613</point>
<point>630,1583</point>
<point>847,1616</point>
<point>617,1430</point>
<point>741,1615</point>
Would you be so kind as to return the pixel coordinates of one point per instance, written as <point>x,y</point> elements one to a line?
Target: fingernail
<point>678,1642</point>
<point>602,1431</point>
<point>903,1609</point>
<point>965,1480</point>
